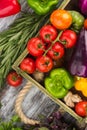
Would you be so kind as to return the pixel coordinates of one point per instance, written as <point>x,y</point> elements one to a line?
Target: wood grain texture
<point>35,102</point>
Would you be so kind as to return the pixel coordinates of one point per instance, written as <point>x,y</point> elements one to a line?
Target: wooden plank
<point>35,102</point>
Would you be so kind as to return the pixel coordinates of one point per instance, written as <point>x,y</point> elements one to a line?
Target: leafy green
<point>10,125</point>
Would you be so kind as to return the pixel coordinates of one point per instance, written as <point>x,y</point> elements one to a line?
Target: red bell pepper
<point>9,7</point>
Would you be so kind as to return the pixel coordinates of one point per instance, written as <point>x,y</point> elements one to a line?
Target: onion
<point>83,6</point>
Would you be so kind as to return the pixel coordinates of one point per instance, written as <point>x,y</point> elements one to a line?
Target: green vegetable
<point>10,125</point>
<point>78,20</point>
<point>13,41</point>
<point>42,7</point>
<point>59,82</point>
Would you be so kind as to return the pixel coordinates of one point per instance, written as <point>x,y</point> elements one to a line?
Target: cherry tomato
<point>61,19</point>
<point>69,38</point>
<point>44,63</point>
<point>35,46</point>
<point>57,51</point>
<point>81,108</point>
<point>14,79</point>
<point>85,24</point>
<point>48,33</point>
<point>28,65</point>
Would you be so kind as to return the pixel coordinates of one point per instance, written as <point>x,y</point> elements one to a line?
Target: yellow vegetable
<point>81,85</point>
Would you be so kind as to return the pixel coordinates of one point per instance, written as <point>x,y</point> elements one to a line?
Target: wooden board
<point>35,102</point>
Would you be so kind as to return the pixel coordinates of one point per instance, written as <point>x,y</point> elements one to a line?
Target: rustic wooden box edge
<point>15,66</point>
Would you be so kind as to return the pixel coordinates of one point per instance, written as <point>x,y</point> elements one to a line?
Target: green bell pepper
<point>42,7</point>
<point>78,20</point>
<point>59,82</point>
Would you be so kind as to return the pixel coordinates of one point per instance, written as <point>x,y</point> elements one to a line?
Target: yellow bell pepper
<point>81,85</point>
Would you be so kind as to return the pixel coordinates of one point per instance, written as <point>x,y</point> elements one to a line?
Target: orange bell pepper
<point>81,85</point>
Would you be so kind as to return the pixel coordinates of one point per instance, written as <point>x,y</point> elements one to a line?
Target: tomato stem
<point>53,42</point>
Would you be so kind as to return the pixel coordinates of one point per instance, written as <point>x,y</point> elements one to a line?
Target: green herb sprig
<point>13,41</point>
<point>11,125</point>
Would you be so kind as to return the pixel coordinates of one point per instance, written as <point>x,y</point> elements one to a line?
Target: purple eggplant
<point>83,6</point>
<point>78,62</point>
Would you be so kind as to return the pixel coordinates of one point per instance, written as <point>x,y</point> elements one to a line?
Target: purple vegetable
<point>78,62</point>
<point>83,6</point>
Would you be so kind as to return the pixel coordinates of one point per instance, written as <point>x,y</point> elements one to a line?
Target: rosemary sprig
<point>13,41</point>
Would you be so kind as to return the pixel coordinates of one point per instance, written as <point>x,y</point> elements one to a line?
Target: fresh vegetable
<point>35,46</point>
<point>81,85</point>
<point>68,38</point>
<point>85,24</point>
<point>9,7</point>
<point>71,99</point>
<point>61,19</point>
<point>42,7</point>
<point>14,40</point>
<point>57,51</point>
<point>81,108</point>
<point>14,79</point>
<point>12,124</point>
<point>78,62</point>
<point>44,63</point>
<point>48,33</point>
<point>83,6</point>
<point>28,65</point>
<point>77,20</point>
<point>59,82</point>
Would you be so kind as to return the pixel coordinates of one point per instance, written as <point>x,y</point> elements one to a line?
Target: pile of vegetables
<point>67,29</point>
<point>14,40</point>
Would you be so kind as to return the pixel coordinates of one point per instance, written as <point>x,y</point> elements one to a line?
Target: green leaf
<point>15,118</point>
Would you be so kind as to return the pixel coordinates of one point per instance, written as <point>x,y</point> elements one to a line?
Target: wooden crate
<point>66,4</point>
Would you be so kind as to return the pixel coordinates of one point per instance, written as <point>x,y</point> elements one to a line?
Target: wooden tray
<point>66,4</point>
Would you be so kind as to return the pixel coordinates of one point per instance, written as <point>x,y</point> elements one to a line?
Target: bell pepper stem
<point>19,1</point>
<point>53,42</point>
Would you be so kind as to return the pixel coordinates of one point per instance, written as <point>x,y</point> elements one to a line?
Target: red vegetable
<point>35,46</point>
<point>44,63</point>
<point>48,33</point>
<point>57,51</point>
<point>28,65</point>
<point>69,38</point>
<point>81,108</point>
<point>85,24</point>
<point>14,79</point>
<point>9,7</point>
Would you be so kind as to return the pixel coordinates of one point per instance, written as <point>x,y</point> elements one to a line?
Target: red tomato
<point>44,63</point>
<point>57,51</point>
<point>35,46</point>
<point>14,79</point>
<point>28,65</point>
<point>48,33</point>
<point>69,38</point>
<point>81,108</point>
